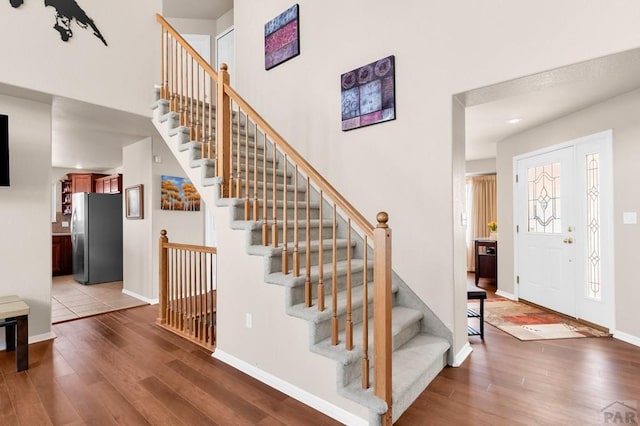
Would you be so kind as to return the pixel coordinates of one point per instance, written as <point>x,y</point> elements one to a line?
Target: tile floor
<point>71,300</point>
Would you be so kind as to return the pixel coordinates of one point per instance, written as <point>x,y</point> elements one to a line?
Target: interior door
<point>225,52</point>
<point>546,224</point>
<point>565,229</point>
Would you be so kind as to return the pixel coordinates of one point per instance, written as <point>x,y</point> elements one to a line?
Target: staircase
<point>313,244</point>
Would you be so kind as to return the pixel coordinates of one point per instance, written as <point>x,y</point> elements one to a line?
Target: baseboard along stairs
<point>420,341</point>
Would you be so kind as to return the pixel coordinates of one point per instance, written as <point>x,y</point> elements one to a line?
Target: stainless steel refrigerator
<point>96,237</point>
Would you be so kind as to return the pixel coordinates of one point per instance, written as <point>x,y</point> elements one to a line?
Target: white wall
<point>197,26</point>
<point>225,21</point>
<point>621,115</point>
<point>119,76</point>
<point>481,167</point>
<point>441,48</point>
<point>137,233</point>
<point>25,206</point>
<point>141,236</point>
<point>182,227</point>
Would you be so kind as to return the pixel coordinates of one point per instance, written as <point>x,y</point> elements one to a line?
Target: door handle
<point>568,240</point>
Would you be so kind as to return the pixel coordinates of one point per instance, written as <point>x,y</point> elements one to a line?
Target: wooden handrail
<point>304,166</point>
<point>294,156</point>
<point>191,247</point>
<point>176,35</point>
<point>188,97</point>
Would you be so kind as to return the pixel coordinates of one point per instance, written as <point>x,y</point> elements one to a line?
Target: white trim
<point>139,297</point>
<point>506,295</point>
<point>589,138</point>
<point>293,391</point>
<point>33,339</point>
<point>42,337</point>
<point>462,355</point>
<point>633,340</point>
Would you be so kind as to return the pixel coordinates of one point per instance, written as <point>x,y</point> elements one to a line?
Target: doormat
<point>526,322</point>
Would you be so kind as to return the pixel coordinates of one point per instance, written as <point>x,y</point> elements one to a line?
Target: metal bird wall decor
<point>67,12</point>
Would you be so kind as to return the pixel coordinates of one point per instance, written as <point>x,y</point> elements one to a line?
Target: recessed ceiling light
<point>513,121</point>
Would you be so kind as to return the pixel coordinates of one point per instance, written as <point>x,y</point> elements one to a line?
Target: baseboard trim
<point>293,391</point>
<point>506,295</point>
<point>462,355</point>
<point>139,297</point>
<point>633,340</point>
<point>33,339</point>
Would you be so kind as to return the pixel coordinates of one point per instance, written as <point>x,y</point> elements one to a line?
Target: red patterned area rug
<point>526,322</point>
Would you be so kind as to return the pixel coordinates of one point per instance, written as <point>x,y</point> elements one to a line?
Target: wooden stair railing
<point>188,291</point>
<point>215,112</point>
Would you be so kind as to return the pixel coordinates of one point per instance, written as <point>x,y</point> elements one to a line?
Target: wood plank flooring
<point>119,368</point>
<point>509,382</point>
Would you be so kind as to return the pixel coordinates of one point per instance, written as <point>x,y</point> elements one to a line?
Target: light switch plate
<point>630,218</point>
<point>65,224</point>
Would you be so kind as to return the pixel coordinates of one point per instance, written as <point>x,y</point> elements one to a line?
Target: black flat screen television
<point>4,150</point>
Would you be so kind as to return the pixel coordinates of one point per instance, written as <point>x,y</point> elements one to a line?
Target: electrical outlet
<point>65,224</point>
<point>248,321</point>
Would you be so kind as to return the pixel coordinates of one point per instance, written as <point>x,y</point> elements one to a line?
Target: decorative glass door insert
<point>544,215</point>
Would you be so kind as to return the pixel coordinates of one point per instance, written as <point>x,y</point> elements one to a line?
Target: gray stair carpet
<point>421,342</point>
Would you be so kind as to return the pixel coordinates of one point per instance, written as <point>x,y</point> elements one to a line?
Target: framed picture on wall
<point>179,194</point>
<point>368,94</point>
<point>281,38</point>
<point>134,202</point>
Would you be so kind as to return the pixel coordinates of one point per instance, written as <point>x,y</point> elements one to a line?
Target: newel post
<point>164,268</point>
<point>382,313</point>
<point>223,132</point>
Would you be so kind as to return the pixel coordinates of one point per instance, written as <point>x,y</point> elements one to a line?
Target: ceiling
<point>196,9</point>
<point>90,137</point>
<point>543,97</point>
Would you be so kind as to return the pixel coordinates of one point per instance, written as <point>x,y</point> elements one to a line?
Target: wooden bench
<point>475,293</point>
<point>14,317</point>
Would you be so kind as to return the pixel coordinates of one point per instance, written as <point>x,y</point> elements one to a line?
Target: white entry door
<point>565,231</point>
<point>546,230</point>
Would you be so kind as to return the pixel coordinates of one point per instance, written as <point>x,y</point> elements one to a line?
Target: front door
<point>564,229</point>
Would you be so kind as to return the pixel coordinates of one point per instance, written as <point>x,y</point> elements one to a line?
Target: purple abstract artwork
<point>281,38</point>
<point>368,94</point>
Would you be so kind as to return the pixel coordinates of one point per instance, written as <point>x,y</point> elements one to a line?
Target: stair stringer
<point>347,363</point>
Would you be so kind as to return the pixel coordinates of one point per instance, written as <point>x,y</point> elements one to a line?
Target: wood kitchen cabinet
<point>84,182</point>
<point>61,255</point>
<point>111,184</point>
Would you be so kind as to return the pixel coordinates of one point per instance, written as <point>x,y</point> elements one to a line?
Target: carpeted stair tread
<point>403,319</point>
<point>414,365</point>
<point>288,280</point>
<point>327,246</point>
<point>312,314</point>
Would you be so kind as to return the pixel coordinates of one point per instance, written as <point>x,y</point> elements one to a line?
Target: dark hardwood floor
<point>119,368</point>
<point>509,382</point>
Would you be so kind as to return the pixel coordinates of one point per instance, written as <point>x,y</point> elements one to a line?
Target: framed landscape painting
<point>178,193</point>
<point>368,94</point>
<point>282,38</point>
